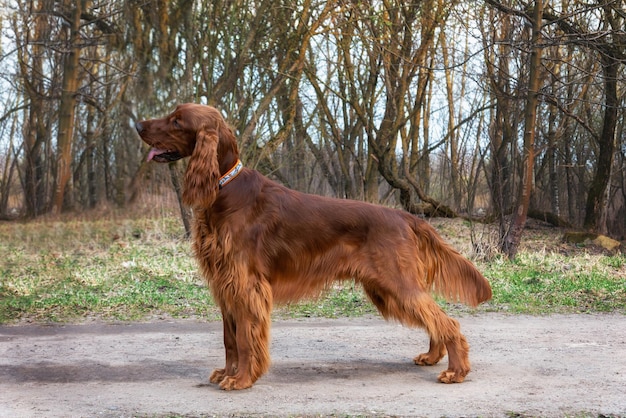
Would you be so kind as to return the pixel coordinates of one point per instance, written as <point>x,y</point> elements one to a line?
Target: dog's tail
<point>448,273</point>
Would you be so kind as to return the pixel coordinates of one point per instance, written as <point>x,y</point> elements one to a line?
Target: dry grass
<point>116,266</point>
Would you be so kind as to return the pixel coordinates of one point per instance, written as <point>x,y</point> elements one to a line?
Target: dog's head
<point>195,131</point>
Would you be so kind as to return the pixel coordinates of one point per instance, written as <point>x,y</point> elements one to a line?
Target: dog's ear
<point>202,175</point>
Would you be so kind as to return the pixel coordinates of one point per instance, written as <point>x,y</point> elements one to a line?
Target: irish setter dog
<point>258,243</point>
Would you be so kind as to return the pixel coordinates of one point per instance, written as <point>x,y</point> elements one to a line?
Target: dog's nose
<point>139,127</point>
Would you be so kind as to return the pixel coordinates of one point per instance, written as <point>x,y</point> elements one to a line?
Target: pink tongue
<point>154,152</point>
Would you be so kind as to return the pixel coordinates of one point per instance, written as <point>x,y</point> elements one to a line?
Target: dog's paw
<point>426,359</point>
<point>234,383</point>
<point>451,376</point>
<point>217,376</point>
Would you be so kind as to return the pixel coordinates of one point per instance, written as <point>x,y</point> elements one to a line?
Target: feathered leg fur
<point>418,309</point>
<point>232,356</point>
<point>436,352</point>
<point>246,335</point>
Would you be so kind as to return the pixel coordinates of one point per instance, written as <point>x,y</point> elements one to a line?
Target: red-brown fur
<point>258,243</point>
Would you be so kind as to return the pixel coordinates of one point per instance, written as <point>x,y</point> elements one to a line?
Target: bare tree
<point>67,107</point>
<point>31,29</point>
<point>395,54</point>
<point>607,41</point>
<point>511,240</point>
<point>416,104</point>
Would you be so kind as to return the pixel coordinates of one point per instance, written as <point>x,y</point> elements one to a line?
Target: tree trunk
<point>503,123</point>
<point>606,145</point>
<point>452,134</point>
<point>512,239</point>
<point>90,149</point>
<point>553,180</point>
<point>34,134</point>
<point>6,180</point>
<point>67,110</point>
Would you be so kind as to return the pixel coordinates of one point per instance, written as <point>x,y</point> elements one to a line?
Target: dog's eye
<point>176,124</point>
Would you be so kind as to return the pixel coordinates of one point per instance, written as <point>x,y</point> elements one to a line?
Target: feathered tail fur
<point>448,273</point>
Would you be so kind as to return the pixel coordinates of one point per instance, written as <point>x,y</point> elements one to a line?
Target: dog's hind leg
<point>445,334</point>
<point>418,309</point>
<point>436,352</point>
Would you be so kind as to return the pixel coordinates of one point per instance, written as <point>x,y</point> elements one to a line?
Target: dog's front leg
<point>252,335</point>
<point>230,344</point>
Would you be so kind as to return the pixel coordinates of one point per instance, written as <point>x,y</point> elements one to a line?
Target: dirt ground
<point>559,365</point>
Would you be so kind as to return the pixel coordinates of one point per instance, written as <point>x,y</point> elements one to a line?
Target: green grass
<point>125,270</point>
<point>143,269</point>
<point>343,300</point>
<point>550,283</point>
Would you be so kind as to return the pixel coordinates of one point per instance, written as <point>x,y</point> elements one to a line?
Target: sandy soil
<point>522,366</point>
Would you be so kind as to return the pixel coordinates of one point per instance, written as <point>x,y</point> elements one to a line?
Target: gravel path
<point>522,366</point>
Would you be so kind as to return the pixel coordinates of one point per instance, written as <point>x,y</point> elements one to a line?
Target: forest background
<point>491,110</point>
